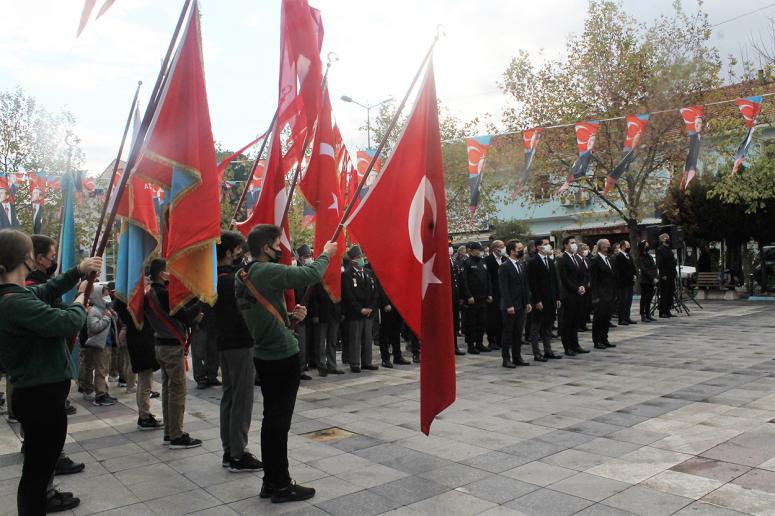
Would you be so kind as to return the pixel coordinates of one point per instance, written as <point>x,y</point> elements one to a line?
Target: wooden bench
<point>708,280</point>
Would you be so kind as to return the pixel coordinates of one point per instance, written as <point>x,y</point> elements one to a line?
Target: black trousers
<point>390,335</point>
<point>475,322</point>
<point>541,328</point>
<point>455,318</point>
<point>513,326</point>
<point>646,297</point>
<point>569,322</point>
<point>666,293</point>
<point>41,411</point>
<point>279,385</point>
<point>625,303</point>
<point>601,321</point>
<point>494,323</point>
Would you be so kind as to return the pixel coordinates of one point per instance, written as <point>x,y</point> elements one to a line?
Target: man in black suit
<point>666,265</point>
<point>586,303</point>
<point>604,291</point>
<point>545,298</point>
<point>514,303</point>
<point>455,284</point>
<point>626,274</point>
<point>476,293</point>
<point>493,263</point>
<point>572,291</point>
<point>649,276</point>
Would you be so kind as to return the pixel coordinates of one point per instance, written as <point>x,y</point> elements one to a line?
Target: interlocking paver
<point>679,417</point>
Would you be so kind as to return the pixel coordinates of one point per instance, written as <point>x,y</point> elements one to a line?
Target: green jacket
<point>34,335</point>
<point>273,340</point>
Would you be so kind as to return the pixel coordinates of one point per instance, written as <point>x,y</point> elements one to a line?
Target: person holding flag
<point>260,291</point>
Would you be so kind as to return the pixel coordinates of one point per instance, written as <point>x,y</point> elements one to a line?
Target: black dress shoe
<point>305,376</point>
<point>644,319</point>
<point>581,350</point>
<point>570,353</point>
<point>599,346</point>
<point>609,345</point>
<point>370,367</point>
<point>650,319</point>
<point>459,352</point>
<point>66,466</point>
<point>611,325</point>
<point>540,358</point>
<point>624,323</point>
<point>387,364</point>
<point>335,371</point>
<point>553,356</point>
<point>521,363</point>
<point>508,365</point>
<point>473,350</point>
<point>630,321</point>
<point>484,349</point>
<point>355,369</point>
<point>401,361</point>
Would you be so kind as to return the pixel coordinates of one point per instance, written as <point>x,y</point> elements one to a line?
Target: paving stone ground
<point>678,419</point>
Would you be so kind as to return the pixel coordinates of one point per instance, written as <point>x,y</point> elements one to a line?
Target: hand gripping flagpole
<point>439,34</point>
<point>362,183</point>
<point>332,58</point>
<point>244,194</point>
<point>150,110</point>
<point>115,170</point>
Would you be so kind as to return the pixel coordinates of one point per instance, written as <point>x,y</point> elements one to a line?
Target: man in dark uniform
<point>476,293</point>
<point>455,284</point>
<point>545,298</point>
<point>604,289</point>
<point>493,263</point>
<point>515,303</point>
<point>626,274</point>
<point>359,302</point>
<point>572,292</point>
<point>649,276</point>
<point>390,324</point>
<point>666,265</point>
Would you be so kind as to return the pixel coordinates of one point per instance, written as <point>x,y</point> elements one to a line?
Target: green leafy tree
<point>615,67</point>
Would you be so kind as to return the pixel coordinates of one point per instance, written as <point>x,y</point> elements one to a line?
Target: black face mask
<point>278,254</point>
<point>52,269</point>
<point>520,254</point>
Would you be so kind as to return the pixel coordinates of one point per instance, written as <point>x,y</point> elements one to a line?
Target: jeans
<point>172,359</point>
<point>239,375</point>
<point>41,411</point>
<point>279,385</point>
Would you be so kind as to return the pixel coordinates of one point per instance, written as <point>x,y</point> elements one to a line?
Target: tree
<point>508,229</point>
<point>615,67</point>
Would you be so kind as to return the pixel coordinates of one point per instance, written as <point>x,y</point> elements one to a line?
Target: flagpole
<point>244,195</point>
<point>115,170</point>
<point>332,58</point>
<point>150,110</point>
<point>388,131</point>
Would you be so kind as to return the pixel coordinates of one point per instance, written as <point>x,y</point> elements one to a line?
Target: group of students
<point>513,293</point>
<point>255,338</point>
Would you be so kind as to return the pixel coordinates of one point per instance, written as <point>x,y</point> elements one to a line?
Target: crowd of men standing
<point>514,293</point>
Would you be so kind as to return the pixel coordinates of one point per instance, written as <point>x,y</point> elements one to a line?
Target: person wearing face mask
<point>515,303</point>
<point>626,274</point>
<point>34,354</point>
<point>666,264</point>
<point>602,271</point>
<point>359,302</point>
<point>545,297</point>
<point>476,292</point>
<point>573,290</point>
<point>260,291</point>
<point>493,263</point>
<point>235,350</point>
<point>102,332</point>
<point>649,277</point>
<point>304,328</point>
<point>171,339</point>
<point>586,303</point>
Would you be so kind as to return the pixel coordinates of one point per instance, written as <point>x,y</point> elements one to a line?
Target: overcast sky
<point>379,45</point>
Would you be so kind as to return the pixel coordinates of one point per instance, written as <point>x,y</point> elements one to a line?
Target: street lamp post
<point>368,108</point>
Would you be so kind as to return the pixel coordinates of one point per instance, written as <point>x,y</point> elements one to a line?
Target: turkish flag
<point>320,187</point>
<point>408,251</point>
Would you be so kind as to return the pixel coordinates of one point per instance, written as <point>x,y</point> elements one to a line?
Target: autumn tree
<point>615,67</point>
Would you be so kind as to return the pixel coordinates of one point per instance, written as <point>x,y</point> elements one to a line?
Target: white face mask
<point>107,300</point>
<point>547,249</point>
<point>585,252</point>
<point>451,251</point>
<point>574,248</point>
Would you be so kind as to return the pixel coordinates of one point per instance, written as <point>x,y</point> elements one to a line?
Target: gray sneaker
<point>103,400</point>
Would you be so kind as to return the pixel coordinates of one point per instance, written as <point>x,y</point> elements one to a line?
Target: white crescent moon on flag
<point>327,150</point>
<point>416,214</point>
<point>279,210</point>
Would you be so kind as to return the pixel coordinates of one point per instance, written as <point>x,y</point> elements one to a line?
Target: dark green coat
<point>34,335</point>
